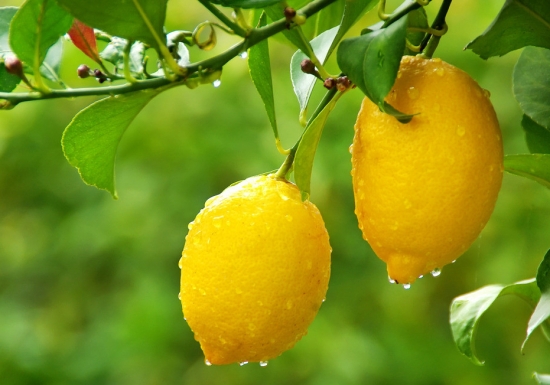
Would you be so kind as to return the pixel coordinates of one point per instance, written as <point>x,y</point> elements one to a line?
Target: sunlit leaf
<point>301,82</point>
<point>91,140</point>
<point>542,311</point>
<point>372,60</point>
<point>260,71</point>
<point>520,23</point>
<point>83,37</point>
<point>305,154</point>
<point>467,310</point>
<point>536,136</point>
<point>141,20</point>
<point>245,3</point>
<point>531,82</point>
<point>532,166</point>
<point>36,26</point>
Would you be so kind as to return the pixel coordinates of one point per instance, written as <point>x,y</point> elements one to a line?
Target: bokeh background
<point>88,284</point>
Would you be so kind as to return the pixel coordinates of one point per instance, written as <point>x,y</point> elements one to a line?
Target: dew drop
<point>243,363</point>
<point>421,276</point>
<point>289,304</point>
<point>460,131</point>
<point>216,83</point>
<point>436,272</point>
<point>263,364</point>
<point>207,363</point>
<point>288,218</point>
<point>217,222</point>
<point>180,263</point>
<point>202,292</point>
<point>179,296</point>
<point>361,182</point>
<point>491,168</point>
<point>391,280</point>
<point>440,71</point>
<point>243,55</point>
<point>453,261</point>
<point>190,225</point>
<point>209,201</point>
<point>196,241</point>
<point>406,286</point>
<point>412,92</point>
<point>487,93</point>
<point>324,299</point>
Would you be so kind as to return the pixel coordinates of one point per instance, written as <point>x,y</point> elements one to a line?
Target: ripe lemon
<point>425,190</point>
<point>254,271</point>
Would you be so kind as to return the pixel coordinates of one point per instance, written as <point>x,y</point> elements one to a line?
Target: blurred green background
<point>88,285</point>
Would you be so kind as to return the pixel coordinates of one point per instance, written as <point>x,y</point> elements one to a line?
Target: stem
<point>322,72</point>
<point>223,18</point>
<point>402,12</point>
<point>438,23</point>
<point>215,63</point>
<point>127,72</point>
<point>289,161</point>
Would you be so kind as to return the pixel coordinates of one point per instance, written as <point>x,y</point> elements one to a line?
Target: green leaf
<point>417,19</point>
<point>301,82</point>
<point>305,154</point>
<point>36,26</point>
<point>542,379</point>
<point>520,23</point>
<point>141,20</point>
<point>467,310</point>
<point>532,166</point>
<point>114,53</point>
<point>90,141</point>
<point>8,82</point>
<point>260,70</point>
<point>536,136</point>
<point>245,3</point>
<point>372,60</point>
<point>542,311</point>
<point>531,84</point>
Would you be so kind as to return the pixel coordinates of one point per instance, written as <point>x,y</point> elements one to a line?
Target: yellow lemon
<point>425,190</point>
<point>254,271</point>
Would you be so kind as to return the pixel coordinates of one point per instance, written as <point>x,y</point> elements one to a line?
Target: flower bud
<point>14,66</point>
<point>307,66</point>
<point>83,71</point>
<point>329,83</point>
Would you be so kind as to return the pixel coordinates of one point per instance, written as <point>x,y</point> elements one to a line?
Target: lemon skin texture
<point>424,190</point>
<point>254,271</point>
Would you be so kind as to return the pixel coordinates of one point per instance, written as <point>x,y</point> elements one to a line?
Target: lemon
<point>424,190</point>
<point>254,271</point>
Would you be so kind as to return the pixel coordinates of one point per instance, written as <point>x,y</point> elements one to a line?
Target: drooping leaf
<point>83,37</point>
<point>542,311</point>
<point>467,310</point>
<point>36,26</point>
<point>372,60</point>
<point>8,82</point>
<point>520,23</point>
<point>301,82</point>
<point>260,70</point>
<point>531,84</point>
<point>141,20</point>
<point>536,136</point>
<point>91,140</point>
<point>245,3</point>
<point>542,379</point>
<point>305,154</point>
<point>532,166</point>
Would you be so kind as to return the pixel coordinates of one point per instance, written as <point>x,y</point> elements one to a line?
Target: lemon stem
<point>438,24</point>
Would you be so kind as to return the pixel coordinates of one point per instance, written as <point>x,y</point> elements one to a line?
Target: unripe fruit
<point>425,190</point>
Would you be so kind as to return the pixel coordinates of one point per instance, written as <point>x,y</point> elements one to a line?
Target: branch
<point>195,70</point>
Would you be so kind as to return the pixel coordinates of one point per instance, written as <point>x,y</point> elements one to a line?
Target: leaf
<point>536,136</point>
<point>417,19</point>
<point>372,60</point>
<point>8,82</point>
<point>542,379</point>
<point>532,166</point>
<point>303,83</point>
<point>114,53</point>
<point>305,154</point>
<point>52,63</point>
<point>531,84</point>
<point>36,26</point>
<point>467,310</point>
<point>260,70</point>
<point>542,311</point>
<point>83,37</point>
<point>141,20</point>
<point>245,3</point>
<point>90,141</point>
<point>519,23</point>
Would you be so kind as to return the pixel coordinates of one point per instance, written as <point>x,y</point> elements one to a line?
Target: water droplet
<point>179,296</point>
<point>440,71</point>
<point>243,55</point>
<point>491,167</point>
<point>196,241</point>
<point>460,131</point>
<point>216,83</point>
<point>399,75</point>
<point>324,299</point>
<point>487,93</point>
<point>436,272</point>
<point>209,201</point>
<point>391,280</point>
<point>180,263</point>
<point>243,363</point>
<point>361,182</point>
<point>251,326</point>
<point>217,221</point>
<point>190,225</point>
<point>412,92</point>
<point>406,286</point>
<point>421,276</point>
<point>453,261</point>
<point>263,364</point>
<point>288,218</point>
<point>208,363</point>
